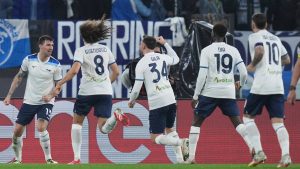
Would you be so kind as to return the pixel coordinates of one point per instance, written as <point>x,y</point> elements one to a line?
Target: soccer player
<point>42,72</point>
<point>295,77</point>
<point>95,88</point>
<point>268,55</point>
<point>216,87</point>
<point>152,70</point>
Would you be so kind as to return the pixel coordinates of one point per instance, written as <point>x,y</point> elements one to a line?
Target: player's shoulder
<point>32,57</point>
<point>53,61</point>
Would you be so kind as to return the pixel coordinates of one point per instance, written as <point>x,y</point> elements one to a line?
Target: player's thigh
<point>157,120</point>
<point>254,104</point>
<point>44,112</point>
<point>229,107</point>
<point>26,114</point>
<point>205,107</point>
<point>102,106</point>
<point>171,116</point>
<point>275,106</point>
<point>83,105</point>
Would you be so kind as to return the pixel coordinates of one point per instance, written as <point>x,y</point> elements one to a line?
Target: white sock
<point>109,125</point>
<point>193,140</point>
<point>241,129</point>
<point>76,140</point>
<point>17,144</point>
<point>170,141</point>
<point>283,138</point>
<point>45,144</point>
<point>177,149</point>
<point>253,133</point>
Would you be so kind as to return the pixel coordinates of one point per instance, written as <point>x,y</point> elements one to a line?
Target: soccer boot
<point>14,161</point>
<point>258,158</point>
<point>285,161</point>
<point>190,161</point>
<point>121,117</point>
<point>74,162</point>
<point>185,149</point>
<point>50,161</point>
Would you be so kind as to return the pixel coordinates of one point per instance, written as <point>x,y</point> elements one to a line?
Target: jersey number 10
<point>273,53</point>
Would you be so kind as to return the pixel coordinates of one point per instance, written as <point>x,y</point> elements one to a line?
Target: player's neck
<point>42,57</point>
<point>147,51</point>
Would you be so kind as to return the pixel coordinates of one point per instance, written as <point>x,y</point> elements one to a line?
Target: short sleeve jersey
<point>221,61</point>
<point>152,69</point>
<point>41,78</point>
<point>268,73</point>
<point>95,59</point>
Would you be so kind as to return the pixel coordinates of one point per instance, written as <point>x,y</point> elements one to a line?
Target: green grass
<point>140,166</point>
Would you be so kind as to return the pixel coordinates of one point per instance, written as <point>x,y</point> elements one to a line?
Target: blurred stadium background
<point>181,23</point>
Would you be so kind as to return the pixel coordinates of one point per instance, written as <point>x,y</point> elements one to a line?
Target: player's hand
<point>7,100</point>
<point>194,103</point>
<point>57,90</point>
<point>237,85</point>
<point>250,68</point>
<point>160,40</point>
<point>47,98</point>
<point>291,99</point>
<point>131,104</point>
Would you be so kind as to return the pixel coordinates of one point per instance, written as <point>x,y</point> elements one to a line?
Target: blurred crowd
<point>282,14</point>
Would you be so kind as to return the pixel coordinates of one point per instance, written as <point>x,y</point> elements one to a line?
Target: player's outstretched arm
<point>15,84</point>
<point>71,73</point>
<point>115,72</point>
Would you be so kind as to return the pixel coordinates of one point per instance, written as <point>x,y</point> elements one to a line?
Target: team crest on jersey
<point>7,34</point>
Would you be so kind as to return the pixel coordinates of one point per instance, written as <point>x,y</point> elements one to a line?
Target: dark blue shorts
<point>102,105</point>
<point>274,104</point>
<point>27,113</point>
<point>207,105</point>
<point>162,118</point>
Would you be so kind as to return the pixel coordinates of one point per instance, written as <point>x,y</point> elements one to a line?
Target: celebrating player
<point>268,55</point>
<point>43,72</point>
<point>152,70</point>
<point>95,90</point>
<point>216,87</point>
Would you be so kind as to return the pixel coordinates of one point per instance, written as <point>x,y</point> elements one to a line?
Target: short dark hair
<point>260,20</point>
<point>219,30</point>
<point>150,42</point>
<point>43,38</point>
<point>93,31</point>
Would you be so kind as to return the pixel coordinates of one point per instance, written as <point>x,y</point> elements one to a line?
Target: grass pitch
<point>141,166</point>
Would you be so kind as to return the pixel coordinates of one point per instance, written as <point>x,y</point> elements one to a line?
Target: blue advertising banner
<point>14,42</point>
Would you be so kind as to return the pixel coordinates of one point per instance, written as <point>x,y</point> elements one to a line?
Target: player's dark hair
<point>150,42</point>
<point>93,31</point>
<point>43,38</point>
<point>219,30</point>
<point>260,20</point>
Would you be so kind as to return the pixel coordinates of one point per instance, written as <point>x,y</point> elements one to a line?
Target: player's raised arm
<point>15,84</point>
<point>169,49</point>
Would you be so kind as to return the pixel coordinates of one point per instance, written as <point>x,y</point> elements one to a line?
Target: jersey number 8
<point>98,60</point>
